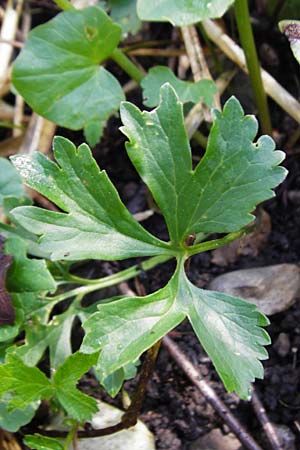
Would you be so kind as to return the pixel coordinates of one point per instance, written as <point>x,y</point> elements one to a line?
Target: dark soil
<point>174,409</point>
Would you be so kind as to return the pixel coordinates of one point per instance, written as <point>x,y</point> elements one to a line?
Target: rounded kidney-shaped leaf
<point>58,71</point>
<point>181,12</point>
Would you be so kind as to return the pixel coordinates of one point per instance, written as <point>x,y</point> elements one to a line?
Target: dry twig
<point>209,394</point>
<point>280,95</point>
<point>265,422</point>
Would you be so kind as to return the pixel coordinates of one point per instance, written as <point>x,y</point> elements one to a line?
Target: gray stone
<point>216,440</point>
<point>286,437</point>
<point>282,345</point>
<point>272,289</point>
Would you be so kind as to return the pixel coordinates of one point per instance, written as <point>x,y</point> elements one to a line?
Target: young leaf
<point>10,181</point>
<point>25,274</point>
<point>61,61</point>
<point>39,442</point>
<point>291,29</point>
<point>97,224</point>
<point>181,12</point>
<point>78,405</point>
<point>228,328</point>
<point>187,91</point>
<point>28,384</point>
<point>234,175</point>
<point>114,382</point>
<point>55,335</point>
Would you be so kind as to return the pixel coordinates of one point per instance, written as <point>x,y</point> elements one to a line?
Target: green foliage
<point>29,384</point>
<point>20,275</point>
<point>61,61</point>
<point>227,327</point>
<point>38,442</point>
<point>202,90</point>
<point>95,212</point>
<point>217,196</point>
<point>10,182</point>
<point>124,13</point>
<point>15,419</point>
<point>113,382</point>
<point>291,28</point>
<point>181,12</point>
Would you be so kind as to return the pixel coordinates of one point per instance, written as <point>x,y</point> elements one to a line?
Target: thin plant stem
<point>65,5</point>
<point>216,243</point>
<point>70,436</point>
<point>111,280</point>
<point>129,418</point>
<point>247,40</point>
<point>127,65</point>
<point>131,415</point>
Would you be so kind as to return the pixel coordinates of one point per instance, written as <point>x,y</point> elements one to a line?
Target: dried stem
<point>280,95</point>
<point>195,116</point>
<point>209,394</point>
<point>8,33</point>
<point>265,422</point>
<point>198,64</point>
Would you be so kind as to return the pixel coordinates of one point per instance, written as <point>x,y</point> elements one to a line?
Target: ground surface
<point>173,409</point>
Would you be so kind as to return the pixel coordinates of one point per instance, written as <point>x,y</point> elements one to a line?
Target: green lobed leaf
<point>39,442</point>
<point>234,175</point>
<point>97,224</point>
<point>25,274</point>
<point>10,181</point>
<point>55,335</point>
<point>187,91</point>
<point>61,60</point>
<point>28,384</point>
<point>181,12</point>
<point>114,382</point>
<point>124,13</point>
<point>78,405</point>
<point>125,328</point>
<point>228,328</point>
<point>291,29</point>
<point>13,420</point>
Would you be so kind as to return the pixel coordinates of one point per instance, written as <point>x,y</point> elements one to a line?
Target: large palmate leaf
<point>58,70</point>
<point>97,224</point>
<point>181,12</point>
<point>228,328</point>
<point>187,91</point>
<point>29,384</point>
<point>234,175</point>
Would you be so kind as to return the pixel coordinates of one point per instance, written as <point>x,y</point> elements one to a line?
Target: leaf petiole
<point>216,243</point>
<point>127,65</point>
<point>111,280</point>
